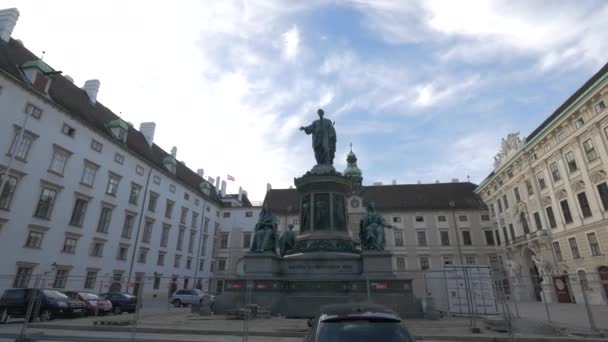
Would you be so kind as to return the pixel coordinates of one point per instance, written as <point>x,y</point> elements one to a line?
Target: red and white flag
<point>230,178</point>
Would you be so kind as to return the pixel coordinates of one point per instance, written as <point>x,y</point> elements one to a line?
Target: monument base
<point>262,264</point>
<point>377,263</point>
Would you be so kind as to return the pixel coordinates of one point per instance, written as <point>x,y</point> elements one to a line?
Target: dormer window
<point>37,73</point>
<point>119,129</point>
<point>170,162</point>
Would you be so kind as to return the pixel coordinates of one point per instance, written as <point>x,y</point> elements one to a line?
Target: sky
<point>424,90</point>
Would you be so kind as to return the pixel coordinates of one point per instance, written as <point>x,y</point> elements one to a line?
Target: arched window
<point>524,223</point>
<point>582,277</point>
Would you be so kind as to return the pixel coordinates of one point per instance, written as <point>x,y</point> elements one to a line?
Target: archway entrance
<point>603,271</point>
<point>533,272</point>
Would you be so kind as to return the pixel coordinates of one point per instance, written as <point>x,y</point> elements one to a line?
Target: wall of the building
<point>33,174</point>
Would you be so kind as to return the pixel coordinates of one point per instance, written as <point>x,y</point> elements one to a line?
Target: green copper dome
<point>352,170</point>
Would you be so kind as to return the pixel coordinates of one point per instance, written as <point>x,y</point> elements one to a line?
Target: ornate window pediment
<point>546,201</point>
<point>578,186</point>
<point>598,176</point>
<point>561,194</point>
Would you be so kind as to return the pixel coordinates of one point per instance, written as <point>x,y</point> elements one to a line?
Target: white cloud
<point>432,94</point>
<point>291,43</point>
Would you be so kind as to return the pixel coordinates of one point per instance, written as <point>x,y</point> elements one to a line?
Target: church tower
<point>353,172</point>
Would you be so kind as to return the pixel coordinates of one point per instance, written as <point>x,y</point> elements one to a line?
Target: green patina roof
<point>169,160</point>
<point>119,123</point>
<point>37,63</point>
<point>352,170</point>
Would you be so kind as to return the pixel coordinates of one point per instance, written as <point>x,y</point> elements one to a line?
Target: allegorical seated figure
<point>287,241</point>
<point>371,231</point>
<point>265,236</point>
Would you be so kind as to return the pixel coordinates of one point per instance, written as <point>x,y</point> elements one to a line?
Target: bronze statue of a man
<point>371,231</point>
<point>287,241</point>
<point>265,232</point>
<point>323,139</point>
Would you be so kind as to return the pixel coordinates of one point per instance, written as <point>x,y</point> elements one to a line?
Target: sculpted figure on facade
<point>542,267</point>
<point>508,148</point>
<point>513,270</point>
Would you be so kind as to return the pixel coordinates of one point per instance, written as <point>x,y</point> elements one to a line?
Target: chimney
<point>201,173</point>
<point>8,20</point>
<point>394,182</point>
<point>268,187</point>
<point>419,182</point>
<point>240,198</point>
<point>92,88</point>
<point>69,78</point>
<point>210,180</point>
<point>223,188</point>
<point>147,129</point>
<point>437,181</point>
<point>217,184</point>
<point>454,180</point>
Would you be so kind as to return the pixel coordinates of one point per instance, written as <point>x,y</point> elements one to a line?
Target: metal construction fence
<point>465,296</point>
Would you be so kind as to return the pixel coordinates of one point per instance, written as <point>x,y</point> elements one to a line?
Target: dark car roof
<point>356,308</point>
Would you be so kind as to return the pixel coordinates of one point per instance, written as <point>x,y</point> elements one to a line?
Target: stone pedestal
<point>549,295</point>
<point>377,263</point>
<point>321,264</point>
<point>262,264</point>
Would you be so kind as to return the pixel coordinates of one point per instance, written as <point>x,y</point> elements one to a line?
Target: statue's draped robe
<point>323,140</point>
<point>372,231</point>
<point>265,233</point>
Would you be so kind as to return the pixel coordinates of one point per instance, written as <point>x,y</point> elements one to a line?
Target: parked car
<point>48,303</point>
<point>94,305</point>
<point>357,323</point>
<point>121,302</point>
<point>189,297</point>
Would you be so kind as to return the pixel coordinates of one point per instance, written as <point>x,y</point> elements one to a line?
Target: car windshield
<point>86,295</point>
<point>362,331</point>
<point>11,294</point>
<point>54,294</point>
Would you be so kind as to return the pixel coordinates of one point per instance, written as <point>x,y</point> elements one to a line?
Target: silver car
<point>188,297</point>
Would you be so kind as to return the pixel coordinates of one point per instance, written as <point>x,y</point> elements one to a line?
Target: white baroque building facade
<point>85,198</point>
<point>548,195</point>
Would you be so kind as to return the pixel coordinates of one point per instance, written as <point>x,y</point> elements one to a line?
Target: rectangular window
<point>424,263</point>
<point>497,237</point>
<point>485,217</point>
<point>463,218</point>
<point>221,264</point>
<point>88,174</point>
<point>112,188</point>
<point>96,145</point>
<point>600,106</point>
<point>466,238</point>
<point>558,251</point>
<point>61,277</point>
<point>574,248</point>
<point>441,218</point>
<point>68,130</point>
<point>119,158</point>
<point>398,235</point>
<point>160,260</point>
<point>551,217</point>
<point>169,209</point>
<point>142,256</point>
<point>505,201</point>
<point>541,180</point>
<point>191,241</point>
<point>579,123</point>
<point>448,260</point>
<point>156,285</point>
<point>572,167</point>
<point>46,203</point>
<point>134,194</point>
<point>584,203</point>
<point>492,210</point>
<point>516,194</point>
<point>421,238</point>
<point>561,135</point>
<point>419,218</point>
<point>69,245</point>
<point>566,211</point>
<point>533,157</point>
<point>188,263</point>
<point>201,265</point>
<point>34,111</point>
<point>226,214</point>
<point>23,276</point>
<point>537,221</point>
<point>594,244</point>
<point>147,234</point>
<point>489,237</point>
<point>445,237</point>
<point>34,239</point>
<point>6,194</point>
<point>156,180</point>
<point>90,279</point>
<point>139,170</point>
<point>555,172</point>
<point>602,190</point>
<point>396,219</point>
<point>164,239</point>
<point>504,234</point>
<point>470,260</point>
<point>400,264</point>
<point>186,196</point>
<point>21,145</point>
<point>104,220</point>
<point>499,205</point>
<point>177,261</point>
<point>58,161</point>
<point>590,152</point>
<point>97,249</point>
<point>127,227</point>
<point>180,239</point>
<point>152,202</point>
<point>172,188</point>
<point>123,250</point>
<point>224,240</point>
<point>529,187</point>
<point>247,240</point>
<point>512,231</point>
<point>184,215</point>
<point>249,214</point>
<point>78,212</point>
<point>194,219</point>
